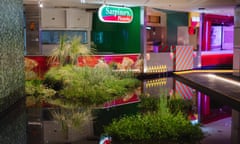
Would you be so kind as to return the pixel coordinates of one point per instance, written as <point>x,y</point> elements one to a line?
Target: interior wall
<point>11,53</point>
<point>174,20</point>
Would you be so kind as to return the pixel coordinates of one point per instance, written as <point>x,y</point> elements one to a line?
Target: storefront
<point>147,41</point>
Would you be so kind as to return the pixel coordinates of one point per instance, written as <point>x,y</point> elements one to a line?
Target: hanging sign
<point>115,14</point>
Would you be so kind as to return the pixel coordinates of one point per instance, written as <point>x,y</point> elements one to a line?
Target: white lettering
<point>117,12</point>
<point>124,18</point>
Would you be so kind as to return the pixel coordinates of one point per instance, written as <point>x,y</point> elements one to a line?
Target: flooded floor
<point>217,132</point>
<point>23,125</point>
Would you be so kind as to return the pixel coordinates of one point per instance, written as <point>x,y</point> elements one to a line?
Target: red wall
<point>42,66</point>
<point>216,59</point>
<point>91,61</point>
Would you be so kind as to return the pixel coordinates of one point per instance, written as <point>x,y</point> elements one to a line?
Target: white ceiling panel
<point>223,7</point>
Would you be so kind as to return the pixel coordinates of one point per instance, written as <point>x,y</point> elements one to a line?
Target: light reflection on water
<point>42,129</point>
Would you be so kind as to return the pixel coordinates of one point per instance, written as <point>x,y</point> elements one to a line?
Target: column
<point>236,52</point>
<point>235,132</point>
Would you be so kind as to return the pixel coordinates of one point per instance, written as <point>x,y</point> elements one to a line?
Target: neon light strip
<point>213,76</point>
<point>204,71</point>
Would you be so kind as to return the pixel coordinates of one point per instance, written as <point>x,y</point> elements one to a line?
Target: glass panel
<point>52,36</point>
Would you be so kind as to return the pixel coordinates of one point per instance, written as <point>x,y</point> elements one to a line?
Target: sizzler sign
<point>115,14</point>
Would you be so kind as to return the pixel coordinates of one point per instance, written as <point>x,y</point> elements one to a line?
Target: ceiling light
<point>40,4</point>
<point>201,8</point>
<point>82,1</point>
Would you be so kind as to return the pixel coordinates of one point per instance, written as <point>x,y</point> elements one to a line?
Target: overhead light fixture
<point>201,8</point>
<point>82,1</point>
<point>40,4</point>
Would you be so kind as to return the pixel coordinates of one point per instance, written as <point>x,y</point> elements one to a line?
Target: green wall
<point>115,37</point>
<point>11,52</point>
<point>175,19</point>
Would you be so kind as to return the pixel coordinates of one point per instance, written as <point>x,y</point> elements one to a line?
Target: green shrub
<point>89,86</point>
<point>36,92</point>
<point>161,125</point>
<point>174,105</point>
<point>177,105</point>
<point>57,77</point>
<point>148,104</point>
<point>153,128</point>
<point>37,89</point>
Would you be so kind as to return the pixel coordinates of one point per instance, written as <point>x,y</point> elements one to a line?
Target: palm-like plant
<point>59,54</point>
<point>68,52</point>
<point>77,49</point>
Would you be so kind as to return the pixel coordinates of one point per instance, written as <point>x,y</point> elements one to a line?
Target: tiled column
<point>236,53</point>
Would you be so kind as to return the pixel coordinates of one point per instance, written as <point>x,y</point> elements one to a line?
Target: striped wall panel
<point>183,58</point>
<point>183,90</point>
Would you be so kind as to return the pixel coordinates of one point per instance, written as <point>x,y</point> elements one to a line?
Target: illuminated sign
<point>195,19</point>
<point>115,14</point>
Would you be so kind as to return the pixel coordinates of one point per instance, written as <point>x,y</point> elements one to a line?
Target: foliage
<point>84,85</point>
<point>153,128</point>
<point>148,103</point>
<point>177,105</point>
<point>36,92</point>
<point>163,105</point>
<point>72,117</point>
<point>68,52</point>
<point>89,86</point>
<point>59,54</point>
<point>174,105</point>
<point>157,126</point>
<point>70,86</point>
<point>55,77</point>
<point>113,65</point>
<point>125,74</point>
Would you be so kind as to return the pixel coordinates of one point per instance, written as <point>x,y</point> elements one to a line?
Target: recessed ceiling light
<point>40,4</point>
<point>82,1</point>
<point>201,8</point>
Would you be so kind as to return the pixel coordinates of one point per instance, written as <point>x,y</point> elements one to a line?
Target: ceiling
<point>222,7</point>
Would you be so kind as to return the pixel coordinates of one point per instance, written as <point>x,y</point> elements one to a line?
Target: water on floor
<point>37,125</point>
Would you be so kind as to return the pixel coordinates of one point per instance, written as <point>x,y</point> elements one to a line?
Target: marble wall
<point>11,52</point>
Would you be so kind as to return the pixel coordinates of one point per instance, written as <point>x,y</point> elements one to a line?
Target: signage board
<point>115,14</point>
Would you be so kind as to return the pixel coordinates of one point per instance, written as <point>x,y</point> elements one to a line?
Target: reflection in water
<point>204,109</point>
<point>43,128</point>
<point>13,125</point>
